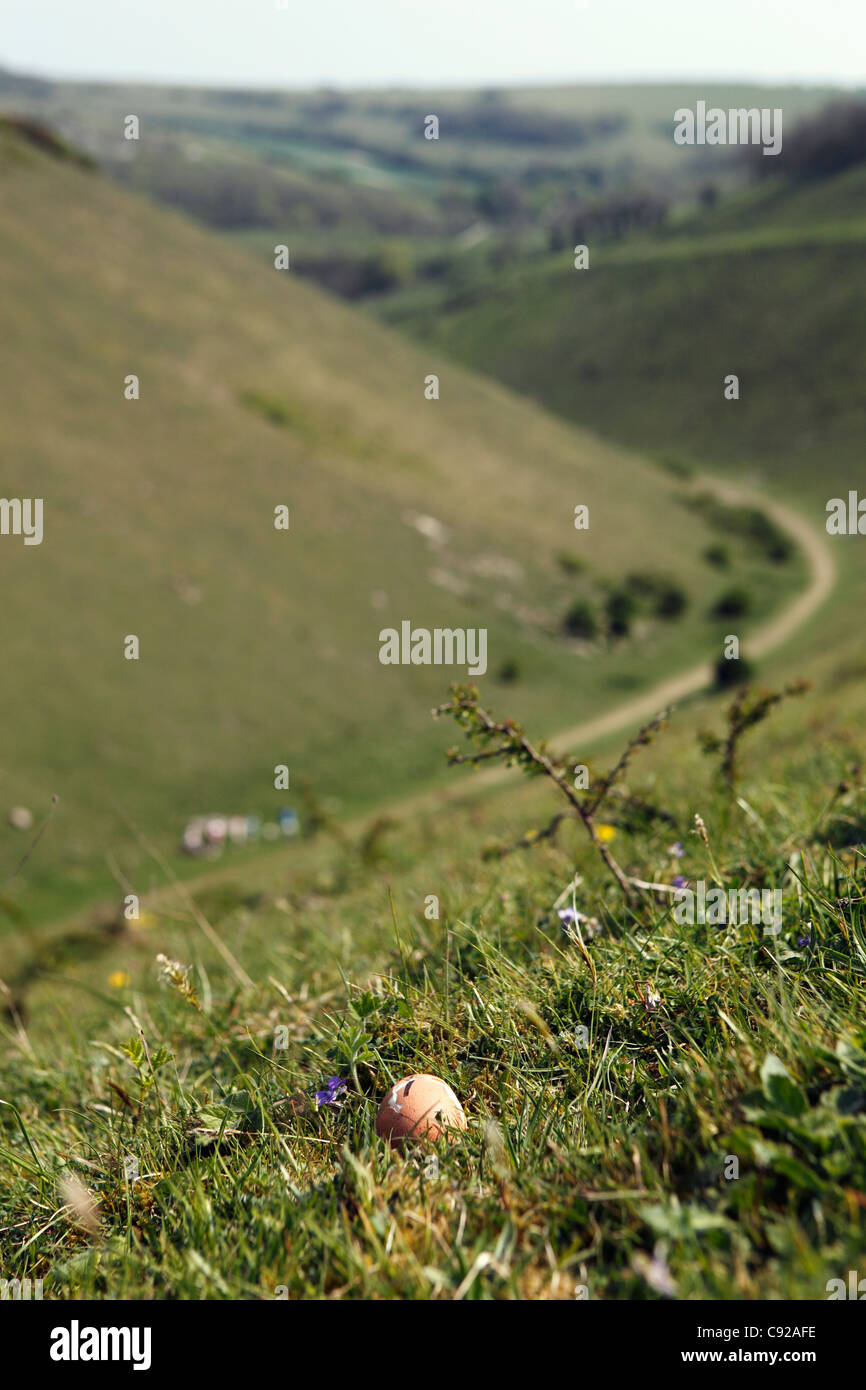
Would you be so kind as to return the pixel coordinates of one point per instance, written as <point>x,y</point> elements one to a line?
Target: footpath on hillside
<point>633,712</point>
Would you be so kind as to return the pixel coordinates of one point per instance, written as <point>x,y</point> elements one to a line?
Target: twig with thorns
<point>507,741</point>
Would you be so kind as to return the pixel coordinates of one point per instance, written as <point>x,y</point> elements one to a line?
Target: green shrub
<point>619,611</point>
<point>665,598</point>
<point>719,556</point>
<point>677,467</point>
<point>671,601</point>
<point>731,672</point>
<point>734,603</point>
<point>580,621</point>
<point>569,564</point>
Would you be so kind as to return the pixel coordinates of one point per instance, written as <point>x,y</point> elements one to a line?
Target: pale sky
<point>303,43</point>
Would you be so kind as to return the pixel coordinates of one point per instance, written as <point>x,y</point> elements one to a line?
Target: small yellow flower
<point>119,979</point>
<point>606,833</point>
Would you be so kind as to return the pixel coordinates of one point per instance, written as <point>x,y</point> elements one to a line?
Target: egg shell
<point>419,1107</point>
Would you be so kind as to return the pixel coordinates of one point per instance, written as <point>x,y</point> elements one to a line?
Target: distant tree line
<point>500,123</point>
<point>350,276</point>
<point>605,218</point>
<point>822,145</point>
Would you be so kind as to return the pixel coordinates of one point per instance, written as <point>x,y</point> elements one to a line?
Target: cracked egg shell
<point>419,1107</point>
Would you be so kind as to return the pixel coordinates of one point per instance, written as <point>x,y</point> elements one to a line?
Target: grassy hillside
<point>781,211</point>
<point>260,647</point>
<point>769,286</point>
<point>162,1136</point>
<point>608,1081</point>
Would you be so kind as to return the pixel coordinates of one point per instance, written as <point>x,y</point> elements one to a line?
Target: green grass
<point>579,1162</point>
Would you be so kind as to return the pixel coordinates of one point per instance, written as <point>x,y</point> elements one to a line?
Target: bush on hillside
<point>733,671</point>
<point>43,138</point>
<point>580,621</point>
<point>606,219</point>
<point>570,564</point>
<point>734,603</point>
<point>820,146</point>
<point>619,610</point>
<point>719,556</point>
<point>664,597</point>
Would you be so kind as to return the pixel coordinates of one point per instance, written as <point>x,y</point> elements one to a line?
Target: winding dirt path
<point>765,639</point>
<point>631,714</point>
<point>636,711</point>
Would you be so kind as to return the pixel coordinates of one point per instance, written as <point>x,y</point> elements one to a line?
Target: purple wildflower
<point>568,917</point>
<point>680,882</point>
<point>804,940</point>
<point>331,1094</point>
<point>676,850</point>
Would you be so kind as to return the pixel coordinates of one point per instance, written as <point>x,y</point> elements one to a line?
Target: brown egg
<point>419,1107</point>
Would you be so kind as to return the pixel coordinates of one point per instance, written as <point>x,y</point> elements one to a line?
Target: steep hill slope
<point>770,286</point>
<point>260,647</point>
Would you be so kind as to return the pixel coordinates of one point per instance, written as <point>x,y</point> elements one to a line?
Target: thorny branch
<point>512,746</point>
